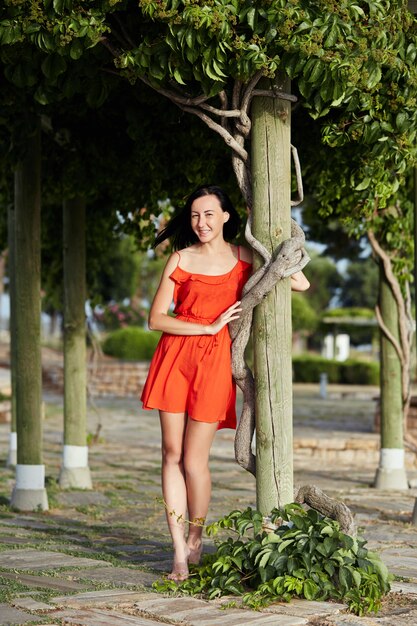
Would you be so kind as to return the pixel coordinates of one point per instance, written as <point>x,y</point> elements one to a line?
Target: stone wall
<point>106,378</point>
<point>355,450</point>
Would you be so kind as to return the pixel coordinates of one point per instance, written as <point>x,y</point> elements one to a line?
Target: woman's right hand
<point>232,313</point>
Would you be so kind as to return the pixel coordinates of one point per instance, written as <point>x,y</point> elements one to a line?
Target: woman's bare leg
<point>197,443</point>
<point>174,488</point>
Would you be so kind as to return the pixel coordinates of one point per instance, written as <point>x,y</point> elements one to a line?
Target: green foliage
<point>307,369</point>
<point>360,288</point>
<point>325,280</point>
<point>306,556</point>
<point>353,312</point>
<point>115,315</point>
<point>344,59</point>
<point>304,317</point>
<point>357,372</point>
<point>353,64</point>
<point>131,344</point>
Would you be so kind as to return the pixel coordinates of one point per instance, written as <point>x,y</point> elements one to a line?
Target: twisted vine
<point>290,257</point>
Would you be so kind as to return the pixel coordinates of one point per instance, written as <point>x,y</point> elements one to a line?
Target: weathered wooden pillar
<point>29,493</point>
<point>75,471</point>
<point>391,472</point>
<point>271,175</point>
<point>12,453</point>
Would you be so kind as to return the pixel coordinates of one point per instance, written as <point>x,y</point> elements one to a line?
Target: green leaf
<point>76,49</point>
<point>332,36</point>
<point>62,5</point>
<point>251,17</point>
<point>345,578</point>
<point>264,560</point>
<point>178,77</point>
<point>284,544</point>
<point>401,121</point>
<point>374,78</point>
<point>356,577</point>
<point>53,66</point>
<point>310,589</point>
<point>363,185</point>
<point>357,10</point>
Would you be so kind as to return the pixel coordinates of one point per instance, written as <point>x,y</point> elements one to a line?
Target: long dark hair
<point>179,230</point>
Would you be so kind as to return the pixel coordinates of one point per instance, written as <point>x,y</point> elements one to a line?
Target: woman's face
<point>207,218</point>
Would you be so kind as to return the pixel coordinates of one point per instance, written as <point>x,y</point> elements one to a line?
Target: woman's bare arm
<point>299,282</point>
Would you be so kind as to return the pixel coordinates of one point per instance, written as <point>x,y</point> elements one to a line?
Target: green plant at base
<point>306,556</point>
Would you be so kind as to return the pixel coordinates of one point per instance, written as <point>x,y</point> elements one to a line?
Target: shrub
<point>355,372</point>
<point>115,315</point>
<point>131,344</point>
<point>307,369</point>
<point>307,556</point>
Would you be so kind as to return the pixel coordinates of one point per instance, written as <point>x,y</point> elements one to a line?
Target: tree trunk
<point>391,472</point>
<point>271,175</point>
<point>12,454</point>
<point>75,471</point>
<point>29,492</point>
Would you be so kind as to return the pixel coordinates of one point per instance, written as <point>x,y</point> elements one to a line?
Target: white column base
<point>75,472</point>
<point>29,493</point>
<point>12,454</point>
<point>391,472</point>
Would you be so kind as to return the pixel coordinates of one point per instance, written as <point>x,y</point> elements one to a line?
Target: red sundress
<point>193,373</point>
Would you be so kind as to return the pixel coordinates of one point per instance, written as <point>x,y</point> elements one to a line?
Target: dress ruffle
<point>180,276</point>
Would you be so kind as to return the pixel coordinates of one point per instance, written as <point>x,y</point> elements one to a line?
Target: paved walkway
<point>91,559</point>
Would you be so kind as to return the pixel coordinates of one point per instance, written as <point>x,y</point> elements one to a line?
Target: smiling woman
<point>190,379</point>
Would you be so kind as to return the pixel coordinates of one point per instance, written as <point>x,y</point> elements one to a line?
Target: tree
<point>325,281</point>
<point>360,286</point>
<point>385,219</point>
<point>209,60</point>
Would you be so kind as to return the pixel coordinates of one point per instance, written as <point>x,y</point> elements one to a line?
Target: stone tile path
<point>91,559</point>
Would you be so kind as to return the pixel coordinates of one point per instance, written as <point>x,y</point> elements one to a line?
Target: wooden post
<point>391,471</point>
<point>29,493</point>
<point>271,175</point>
<point>75,471</point>
<point>11,237</point>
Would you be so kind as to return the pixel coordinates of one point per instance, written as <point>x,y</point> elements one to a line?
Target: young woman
<point>190,379</point>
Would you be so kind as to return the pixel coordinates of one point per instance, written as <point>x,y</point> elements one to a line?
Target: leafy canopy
<point>353,62</point>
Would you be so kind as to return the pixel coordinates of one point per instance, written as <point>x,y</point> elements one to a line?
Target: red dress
<point>193,373</point>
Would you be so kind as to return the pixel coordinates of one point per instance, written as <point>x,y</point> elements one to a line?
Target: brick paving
<point>91,559</point>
